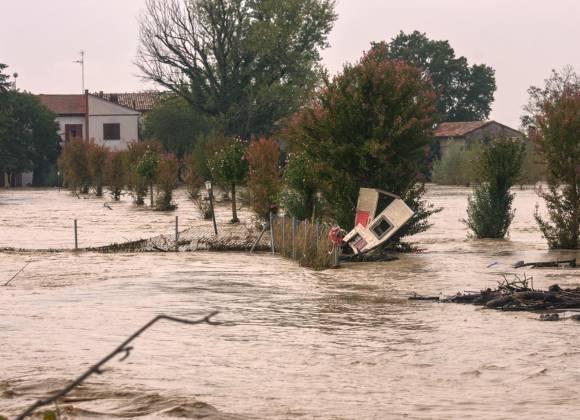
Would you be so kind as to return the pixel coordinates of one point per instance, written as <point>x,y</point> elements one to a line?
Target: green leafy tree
<point>369,128</point>
<point>147,169</point>
<point>300,187</point>
<point>555,112</point>
<point>230,167</point>
<point>29,139</point>
<point>176,125</point>
<point>489,211</point>
<point>245,64</point>
<point>5,83</point>
<point>135,182</point>
<point>465,93</point>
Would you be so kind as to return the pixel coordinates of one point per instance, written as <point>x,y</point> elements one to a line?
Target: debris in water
<point>546,264</point>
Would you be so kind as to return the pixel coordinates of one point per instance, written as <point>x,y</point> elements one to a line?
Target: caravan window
<point>382,227</point>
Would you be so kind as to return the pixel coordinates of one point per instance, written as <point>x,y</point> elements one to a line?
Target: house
<point>464,133</point>
<point>139,101</point>
<point>90,117</point>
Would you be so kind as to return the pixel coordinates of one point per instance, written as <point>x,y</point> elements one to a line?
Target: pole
<point>283,248</point>
<point>76,236</point>
<point>212,210</point>
<point>272,241</point>
<point>176,233</point>
<point>293,237</point>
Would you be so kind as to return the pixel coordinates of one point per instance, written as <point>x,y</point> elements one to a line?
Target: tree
<point>555,112</point>
<point>369,128</point>
<point>176,125</point>
<point>29,138</point>
<point>135,152</point>
<point>263,156</point>
<point>74,163</point>
<point>167,180</point>
<point>5,83</point>
<point>147,169</point>
<point>245,64</point>
<point>300,187</point>
<point>489,211</point>
<point>96,159</point>
<point>116,172</point>
<point>229,165</point>
<point>465,93</point>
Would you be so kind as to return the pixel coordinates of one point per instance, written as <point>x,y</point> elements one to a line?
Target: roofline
<point>473,129</point>
<point>115,103</point>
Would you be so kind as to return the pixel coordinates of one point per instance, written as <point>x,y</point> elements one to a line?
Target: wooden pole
<point>212,210</point>
<point>293,237</point>
<point>176,233</point>
<point>76,236</point>
<point>283,247</point>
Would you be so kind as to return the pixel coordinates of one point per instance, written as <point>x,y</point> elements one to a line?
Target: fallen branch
<point>14,276</point>
<point>123,349</point>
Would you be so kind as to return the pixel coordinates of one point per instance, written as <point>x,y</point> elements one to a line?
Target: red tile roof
<point>139,101</point>
<point>64,104</point>
<point>458,129</point>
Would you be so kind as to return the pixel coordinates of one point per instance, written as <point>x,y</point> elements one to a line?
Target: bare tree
<point>246,64</point>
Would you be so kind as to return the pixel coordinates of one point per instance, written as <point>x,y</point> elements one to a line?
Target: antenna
<point>82,63</point>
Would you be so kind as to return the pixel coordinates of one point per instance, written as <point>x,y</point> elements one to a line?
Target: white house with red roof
<point>90,117</point>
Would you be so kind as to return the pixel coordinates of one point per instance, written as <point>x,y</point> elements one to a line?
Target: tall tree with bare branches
<point>244,63</point>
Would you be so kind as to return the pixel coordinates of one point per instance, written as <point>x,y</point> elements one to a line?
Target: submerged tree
<point>229,166</point>
<point>167,181</point>
<point>555,111</point>
<point>465,93</point>
<point>74,163</point>
<point>147,170</point>
<point>96,159</point>
<point>116,173</point>
<point>264,183</point>
<point>369,128</point>
<point>246,64</point>
<point>489,211</point>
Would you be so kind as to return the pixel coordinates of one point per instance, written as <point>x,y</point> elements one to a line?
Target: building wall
<point>489,132</point>
<point>104,112</point>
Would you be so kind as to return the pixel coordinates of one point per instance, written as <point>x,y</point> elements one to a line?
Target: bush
<point>135,182</point>
<point>299,197</point>
<point>96,159</point>
<point>555,110</point>
<point>73,162</point>
<point>147,170</point>
<point>116,173</point>
<point>489,212</point>
<point>229,166</point>
<point>166,177</point>
<point>264,184</point>
<point>456,166</point>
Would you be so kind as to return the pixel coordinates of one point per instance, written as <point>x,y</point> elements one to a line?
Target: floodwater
<point>338,344</point>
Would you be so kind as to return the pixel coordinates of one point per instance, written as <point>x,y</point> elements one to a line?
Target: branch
<point>123,349</point>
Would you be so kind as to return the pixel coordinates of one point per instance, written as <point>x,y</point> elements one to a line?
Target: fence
<point>304,241</point>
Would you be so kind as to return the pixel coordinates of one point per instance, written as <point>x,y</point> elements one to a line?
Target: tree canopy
<point>5,83</point>
<point>246,63</point>
<point>29,139</point>
<point>465,93</point>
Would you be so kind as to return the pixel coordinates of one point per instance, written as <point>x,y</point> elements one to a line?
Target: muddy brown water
<point>338,344</point>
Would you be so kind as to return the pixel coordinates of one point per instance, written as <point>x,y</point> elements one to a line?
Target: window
<point>73,131</point>
<point>112,131</point>
<point>381,228</point>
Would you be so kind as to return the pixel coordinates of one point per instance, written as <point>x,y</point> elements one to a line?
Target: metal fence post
<point>76,236</point>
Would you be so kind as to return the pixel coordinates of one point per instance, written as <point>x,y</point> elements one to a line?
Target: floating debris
<point>547,264</point>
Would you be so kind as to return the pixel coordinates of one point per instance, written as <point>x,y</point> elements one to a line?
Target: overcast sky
<point>521,39</point>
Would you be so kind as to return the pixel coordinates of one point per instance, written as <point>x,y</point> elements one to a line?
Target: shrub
<point>135,152</point>
<point>97,158</point>
<point>166,177</point>
<point>299,197</point>
<point>264,184</point>
<point>489,212</point>
<point>369,127</point>
<point>229,166</point>
<point>555,110</point>
<point>116,173</point>
<point>73,162</point>
<point>193,177</point>
<point>147,169</point>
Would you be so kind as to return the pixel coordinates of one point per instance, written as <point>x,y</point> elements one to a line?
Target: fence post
<point>76,236</point>
<point>272,241</point>
<point>317,235</point>
<point>176,233</point>
<point>283,247</point>
<point>293,237</point>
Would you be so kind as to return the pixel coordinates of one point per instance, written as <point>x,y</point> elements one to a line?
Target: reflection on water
<point>336,344</point>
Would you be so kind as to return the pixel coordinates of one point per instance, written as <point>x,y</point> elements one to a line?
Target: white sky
<point>522,39</point>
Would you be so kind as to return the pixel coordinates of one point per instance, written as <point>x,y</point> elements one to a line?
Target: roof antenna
<point>82,63</point>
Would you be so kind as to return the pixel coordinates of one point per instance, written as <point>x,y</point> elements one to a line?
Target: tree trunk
<point>234,206</point>
<point>151,193</point>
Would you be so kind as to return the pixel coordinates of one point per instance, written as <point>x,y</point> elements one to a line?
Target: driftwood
<point>546,264</point>
<point>516,295</point>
